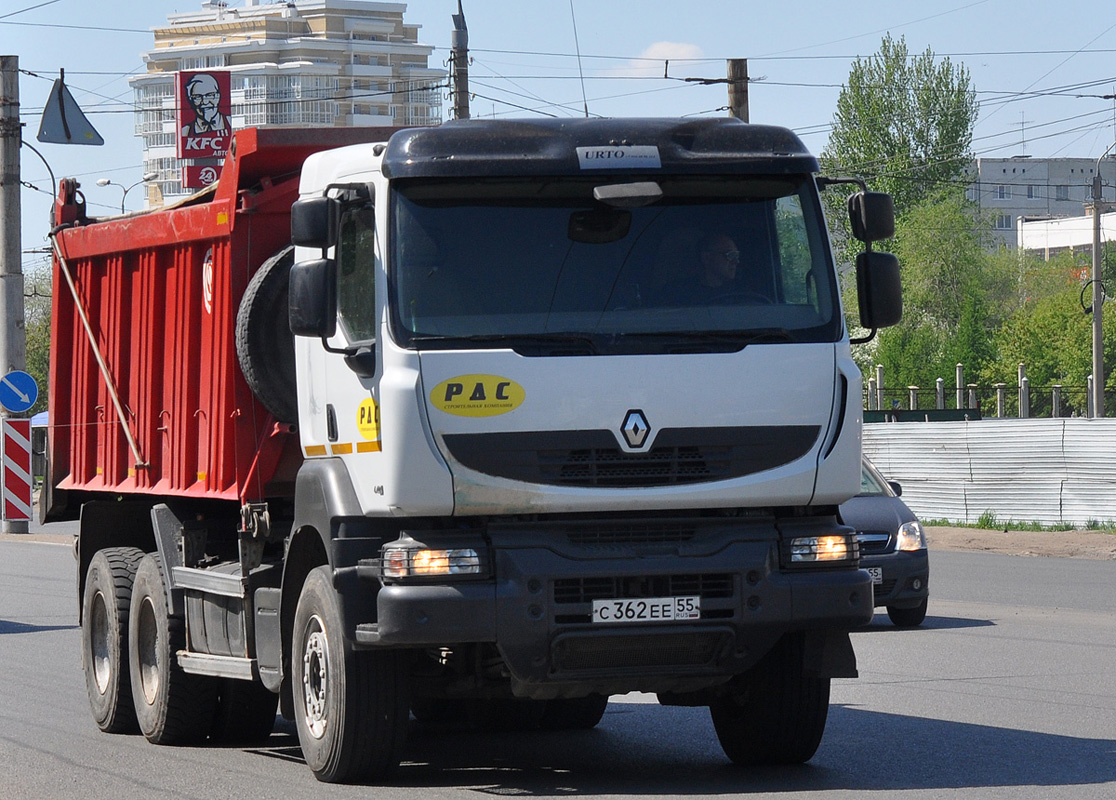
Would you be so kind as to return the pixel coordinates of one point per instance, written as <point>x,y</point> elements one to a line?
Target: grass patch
<point>990,522</point>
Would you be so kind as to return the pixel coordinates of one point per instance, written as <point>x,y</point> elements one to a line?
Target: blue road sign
<point>18,391</point>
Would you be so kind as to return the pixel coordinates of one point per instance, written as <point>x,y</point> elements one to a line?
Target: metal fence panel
<point>1050,471</point>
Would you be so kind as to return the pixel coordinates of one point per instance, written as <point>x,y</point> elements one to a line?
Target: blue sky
<point>1039,68</point>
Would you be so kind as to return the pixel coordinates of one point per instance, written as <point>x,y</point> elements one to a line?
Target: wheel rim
<point>99,643</point>
<point>147,647</point>
<point>315,677</point>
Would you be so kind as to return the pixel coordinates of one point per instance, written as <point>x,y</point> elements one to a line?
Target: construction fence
<point>1049,471</point>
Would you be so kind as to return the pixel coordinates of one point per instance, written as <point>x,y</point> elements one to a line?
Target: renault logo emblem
<point>635,428</point>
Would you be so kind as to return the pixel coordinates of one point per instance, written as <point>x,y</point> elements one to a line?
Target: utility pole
<point>13,336</point>
<point>459,42</point>
<point>738,88</point>
<point>1098,298</point>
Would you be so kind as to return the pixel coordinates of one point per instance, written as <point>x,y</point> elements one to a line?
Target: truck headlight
<point>911,536</point>
<point>398,562</point>
<point>823,549</point>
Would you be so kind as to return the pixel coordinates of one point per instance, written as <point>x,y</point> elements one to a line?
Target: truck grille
<point>586,590</point>
<point>593,458</point>
<point>647,533</point>
<point>611,467</point>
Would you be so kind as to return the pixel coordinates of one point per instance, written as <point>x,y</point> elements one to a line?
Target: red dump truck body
<point>161,291</point>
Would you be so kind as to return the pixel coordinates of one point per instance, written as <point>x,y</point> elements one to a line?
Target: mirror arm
<point>864,339</point>
<point>341,351</point>
<point>824,182</point>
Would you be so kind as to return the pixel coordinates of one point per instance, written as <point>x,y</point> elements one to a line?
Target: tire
<point>104,637</point>
<point>351,707</point>
<point>245,713</point>
<point>908,617</point>
<point>264,342</point>
<point>574,714</point>
<point>172,706</point>
<point>777,712</point>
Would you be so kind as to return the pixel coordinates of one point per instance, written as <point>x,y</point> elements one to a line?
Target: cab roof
<point>643,146</point>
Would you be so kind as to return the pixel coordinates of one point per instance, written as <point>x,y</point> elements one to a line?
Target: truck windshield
<point>542,267</point>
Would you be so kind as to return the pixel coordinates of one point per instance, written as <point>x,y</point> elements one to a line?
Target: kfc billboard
<point>204,103</point>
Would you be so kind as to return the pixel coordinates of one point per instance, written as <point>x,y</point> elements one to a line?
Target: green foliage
<point>1053,336</point>
<point>37,321</point>
<point>955,293</point>
<point>904,123</point>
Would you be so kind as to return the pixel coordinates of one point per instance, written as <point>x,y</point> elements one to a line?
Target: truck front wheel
<point>104,637</point>
<point>172,706</point>
<point>351,707</point>
<point>776,711</point>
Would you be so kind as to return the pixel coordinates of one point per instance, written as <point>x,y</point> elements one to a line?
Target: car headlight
<point>911,536</point>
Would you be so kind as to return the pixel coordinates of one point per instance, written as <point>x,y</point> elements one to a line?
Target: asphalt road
<point>1007,691</point>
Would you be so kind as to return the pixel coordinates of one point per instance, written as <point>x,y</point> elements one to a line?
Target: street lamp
<point>147,176</point>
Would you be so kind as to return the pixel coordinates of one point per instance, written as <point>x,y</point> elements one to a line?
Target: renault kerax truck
<point>485,422</point>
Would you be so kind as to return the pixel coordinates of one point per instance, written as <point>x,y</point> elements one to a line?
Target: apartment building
<point>309,63</point>
<point>1026,189</point>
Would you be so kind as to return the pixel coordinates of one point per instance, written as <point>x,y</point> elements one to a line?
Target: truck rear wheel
<point>264,342</point>
<point>351,707</point>
<point>172,706</point>
<point>104,637</point>
<point>777,712</point>
<point>574,714</point>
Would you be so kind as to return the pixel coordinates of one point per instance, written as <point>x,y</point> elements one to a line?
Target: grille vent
<point>586,590</point>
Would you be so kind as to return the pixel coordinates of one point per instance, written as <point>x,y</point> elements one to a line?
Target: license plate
<point>877,575</point>
<point>646,609</point>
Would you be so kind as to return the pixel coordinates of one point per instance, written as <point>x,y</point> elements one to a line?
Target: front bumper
<point>538,609</point>
<point>906,577</point>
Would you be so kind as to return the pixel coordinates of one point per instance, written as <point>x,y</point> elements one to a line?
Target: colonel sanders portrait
<point>204,96</point>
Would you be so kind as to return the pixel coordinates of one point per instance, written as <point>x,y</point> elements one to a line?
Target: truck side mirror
<point>312,300</point>
<point>879,289</point>
<point>872,215</point>
<point>314,222</point>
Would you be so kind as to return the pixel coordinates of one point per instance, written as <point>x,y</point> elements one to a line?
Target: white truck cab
<point>577,407</point>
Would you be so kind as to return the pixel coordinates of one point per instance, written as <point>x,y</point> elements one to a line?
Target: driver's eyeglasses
<point>728,255</point>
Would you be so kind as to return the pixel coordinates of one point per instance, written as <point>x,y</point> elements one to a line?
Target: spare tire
<point>264,342</point>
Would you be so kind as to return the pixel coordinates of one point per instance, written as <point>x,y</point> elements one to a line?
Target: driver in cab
<point>714,279</point>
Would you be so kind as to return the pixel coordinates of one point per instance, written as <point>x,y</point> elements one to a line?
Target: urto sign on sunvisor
<point>619,157</point>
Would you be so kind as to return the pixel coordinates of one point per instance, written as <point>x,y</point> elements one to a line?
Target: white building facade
<point>1021,188</point>
<point>308,63</point>
<point>1053,236</point>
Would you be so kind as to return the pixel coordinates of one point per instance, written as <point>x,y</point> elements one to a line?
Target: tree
<point>955,293</point>
<point>1051,333</point>
<point>904,123</point>
<point>37,326</point>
